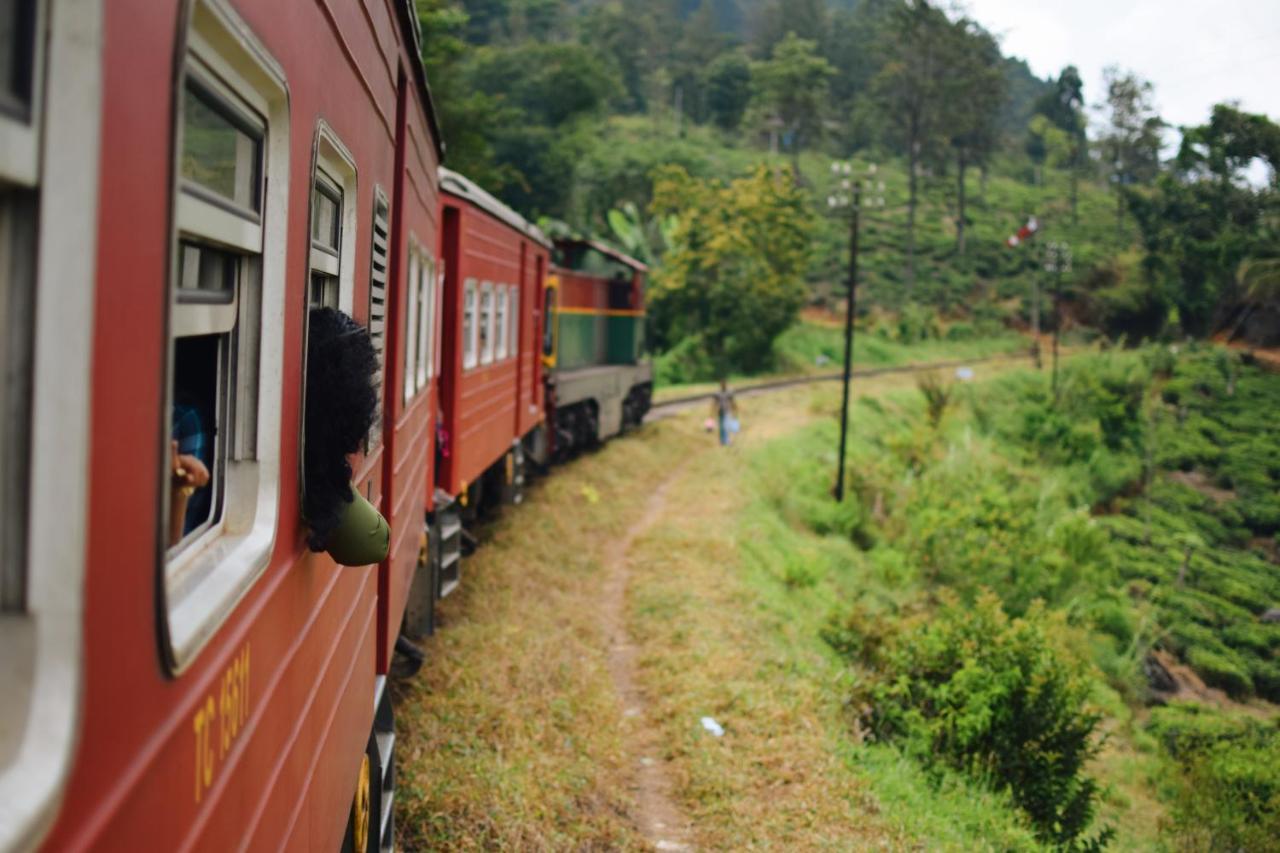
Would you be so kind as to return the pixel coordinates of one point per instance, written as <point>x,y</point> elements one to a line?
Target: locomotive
<point>183,184</point>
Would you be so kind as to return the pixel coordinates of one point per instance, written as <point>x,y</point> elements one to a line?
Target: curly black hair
<point>342,405</point>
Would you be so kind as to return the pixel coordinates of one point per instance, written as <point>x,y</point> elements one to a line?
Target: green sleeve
<point>363,537</point>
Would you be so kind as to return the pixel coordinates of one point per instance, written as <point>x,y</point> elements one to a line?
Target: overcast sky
<point>1197,54</point>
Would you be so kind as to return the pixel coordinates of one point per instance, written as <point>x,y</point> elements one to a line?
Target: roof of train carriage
<point>604,249</point>
<point>409,23</point>
<point>464,187</point>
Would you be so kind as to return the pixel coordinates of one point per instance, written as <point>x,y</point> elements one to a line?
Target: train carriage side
<point>598,380</point>
<point>199,174</point>
<point>490,399</point>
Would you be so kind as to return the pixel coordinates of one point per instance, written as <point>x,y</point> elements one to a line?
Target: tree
<point>1207,232</point>
<point>911,92</point>
<point>1063,108</point>
<point>1131,141</point>
<point>733,277</point>
<point>977,87</point>
<point>728,89</point>
<point>792,88</point>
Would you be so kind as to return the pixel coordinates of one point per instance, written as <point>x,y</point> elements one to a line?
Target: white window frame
<point>335,162</point>
<point>486,322</point>
<point>205,579</point>
<point>470,324</point>
<point>413,275</point>
<point>500,322</point>
<point>20,136</point>
<point>425,320</point>
<point>41,650</point>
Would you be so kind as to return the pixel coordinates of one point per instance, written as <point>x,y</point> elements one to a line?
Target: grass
<point>509,736</point>
<point>813,346</point>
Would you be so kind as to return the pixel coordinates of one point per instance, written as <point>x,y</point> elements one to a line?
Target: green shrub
<point>1226,793</point>
<point>998,698</point>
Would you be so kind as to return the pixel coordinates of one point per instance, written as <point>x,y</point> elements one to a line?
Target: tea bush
<point>1226,793</point>
<point>1000,699</point>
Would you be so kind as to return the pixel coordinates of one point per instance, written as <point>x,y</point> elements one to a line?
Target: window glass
<point>486,323</point>
<point>324,291</point>
<point>326,216</point>
<point>426,304</point>
<point>17,52</point>
<point>221,150</point>
<point>469,325</point>
<point>206,274</point>
<point>410,324</point>
<point>17,303</point>
<point>513,334</point>
<point>500,324</point>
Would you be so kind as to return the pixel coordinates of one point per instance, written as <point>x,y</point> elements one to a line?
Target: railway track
<point>667,408</point>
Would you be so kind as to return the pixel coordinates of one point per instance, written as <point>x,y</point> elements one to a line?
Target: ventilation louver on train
<point>378,297</point>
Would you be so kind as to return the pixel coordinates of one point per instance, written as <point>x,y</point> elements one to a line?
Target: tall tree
<point>728,89</point>
<point>792,88</point>
<point>911,92</point>
<point>1131,140</point>
<point>977,86</point>
<point>1064,109</point>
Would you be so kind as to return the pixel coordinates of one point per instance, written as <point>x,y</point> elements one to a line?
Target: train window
<point>549,323</point>
<point>500,324</point>
<point>513,334</point>
<point>18,209</point>
<point>331,248</point>
<point>411,321</point>
<point>470,348</point>
<point>425,320</point>
<point>486,323</point>
<point>19,97</point>
<point>221,455</point>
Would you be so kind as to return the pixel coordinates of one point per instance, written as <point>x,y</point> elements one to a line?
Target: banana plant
<point>646,241</point>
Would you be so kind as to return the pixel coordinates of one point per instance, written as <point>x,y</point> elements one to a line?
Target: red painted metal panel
<point>303,640</point>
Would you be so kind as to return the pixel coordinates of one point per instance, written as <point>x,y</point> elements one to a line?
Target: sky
<point>1196,54</point>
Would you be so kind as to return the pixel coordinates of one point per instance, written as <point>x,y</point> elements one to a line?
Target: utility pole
<point>849,194</point>
<point>850,308</point>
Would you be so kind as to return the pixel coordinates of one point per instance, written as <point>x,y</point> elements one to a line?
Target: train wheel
<point>357,837</point>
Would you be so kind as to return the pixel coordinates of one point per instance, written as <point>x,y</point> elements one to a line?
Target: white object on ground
<point>964,374</point>
<point>712,726</point>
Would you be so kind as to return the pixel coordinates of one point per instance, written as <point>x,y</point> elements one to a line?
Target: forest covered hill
<point>580,114</point>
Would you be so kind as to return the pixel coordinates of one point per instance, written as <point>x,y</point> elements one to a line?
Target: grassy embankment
<point>513,737</point>
<point>754,598</point>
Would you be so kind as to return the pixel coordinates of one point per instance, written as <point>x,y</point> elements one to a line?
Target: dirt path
<point>657,817</point>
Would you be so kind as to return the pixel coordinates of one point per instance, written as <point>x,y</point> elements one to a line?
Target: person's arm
<point>187,473</point>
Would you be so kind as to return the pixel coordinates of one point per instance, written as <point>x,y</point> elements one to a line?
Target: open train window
<point>470,347</point>
<point>500,324</point>
<point>221,452</point>
<point>549,323</point>
<point>331,247</point>
<point>18,212</point>
<point>486,323</point>
<point>20,81</point>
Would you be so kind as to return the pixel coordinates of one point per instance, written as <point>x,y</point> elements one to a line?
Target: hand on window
<point>189,473</point>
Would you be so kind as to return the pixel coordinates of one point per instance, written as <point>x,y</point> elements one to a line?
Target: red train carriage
<point>599,382</point>
<point>180,181</point>
<point>491,388</point>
